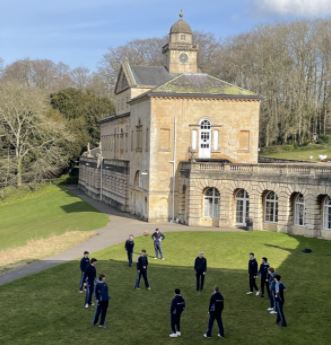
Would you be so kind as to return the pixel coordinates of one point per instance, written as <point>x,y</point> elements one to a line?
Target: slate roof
<point>181,26</point>
<point>200,83</point>
<point>150,75</point>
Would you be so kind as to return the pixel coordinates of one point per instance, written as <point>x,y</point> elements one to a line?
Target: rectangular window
<point>215,140</point>
<point>164,140</point>
<point>244,137</point>
<point>194,141</point>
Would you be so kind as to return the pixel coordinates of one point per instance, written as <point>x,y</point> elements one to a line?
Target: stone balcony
<point>315,174</point>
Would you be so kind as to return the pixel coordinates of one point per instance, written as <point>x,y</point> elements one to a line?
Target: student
<point>200,267</point>
<point>252,273</point>
<point>263,272</point>
<point>158,237</point>
<point>271,290</point>
<point>142,265</point>
<point>129,245</point>
<point>91,274</point>
<point>279,301</point>
<point>84,262</point>
<point>176,309</point>
<point>102,298</point>
<point>216,306</point>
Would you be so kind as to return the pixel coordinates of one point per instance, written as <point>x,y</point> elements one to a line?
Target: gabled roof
<point>150,75</point>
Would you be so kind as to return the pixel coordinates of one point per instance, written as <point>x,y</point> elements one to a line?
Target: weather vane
<point>181,14</point>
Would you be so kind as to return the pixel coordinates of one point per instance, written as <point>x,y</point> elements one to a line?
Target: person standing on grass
<point>102,299</point>
<point>216,306</point>
<point>84,262</point>
<point>129,245</point>
<point>271,290</point>
<point>158,237</point>
<point>176,309</point>
<point>200,267</point>
<point>142,265</point>
<point>91,274</point>
<point>263,272</point>
<point>252,273</point>
<point>279,301</point>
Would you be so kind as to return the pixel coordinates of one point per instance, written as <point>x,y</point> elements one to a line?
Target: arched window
<point>205,144</point>
<point>211,202</point>
<point>327,213</point>
<point>242,207</point>
<point>299,210</point>
<point>271,207</point>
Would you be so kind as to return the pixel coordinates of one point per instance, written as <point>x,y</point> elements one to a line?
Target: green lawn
<point>309,153</point>
<point>47,309</point>
<point>48,211</point>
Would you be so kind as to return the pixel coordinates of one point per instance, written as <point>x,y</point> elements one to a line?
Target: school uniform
<point>91,274</point>
<point>263,272</point>
<point>176,309</point>
<point>157,238</point>
<point>279,302</point>
<point>129,245</point>
<point>252,273</point>
<point>216,306</point>
<point>84,262</point>
<point>271,289</point>
<point>102,296</point>
<point>200,266</point>
<point>142,265</point>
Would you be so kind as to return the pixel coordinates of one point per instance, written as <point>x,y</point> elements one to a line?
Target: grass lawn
<point>47,309</point>
<point>302,153</point>
<point>42,213</point>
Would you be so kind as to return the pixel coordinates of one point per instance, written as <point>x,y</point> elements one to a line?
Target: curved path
<point>120,225</point>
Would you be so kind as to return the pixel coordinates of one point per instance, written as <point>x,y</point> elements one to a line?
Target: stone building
<point>183,146</point>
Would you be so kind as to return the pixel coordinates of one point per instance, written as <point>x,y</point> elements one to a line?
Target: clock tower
<point>181,55</point>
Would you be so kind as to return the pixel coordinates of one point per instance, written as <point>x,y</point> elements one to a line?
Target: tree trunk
<point>19,169</point>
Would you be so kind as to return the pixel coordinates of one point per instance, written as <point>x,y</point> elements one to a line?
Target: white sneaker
<point>163,259</point>
<point>257,293</point>
<point>273,312</point>
<point>206,336</point>
<point>155,258</point>
<point>86,306</point>
<point>221,336</point>
<point>81,291</point>
<point>178,334</point>
<point>173,335</point>
<point>249,293</point>
<point>269,309</point>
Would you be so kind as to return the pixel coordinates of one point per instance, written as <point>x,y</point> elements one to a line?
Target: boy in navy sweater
<point>142,265</point>
<point>216,306</point>
<point>158,237</point>
<point>84,262</point>
<point>129,245</point>
<point>102,298</point>
<point>279,301</point>
<point>176,309</point>
<point>200,267</point>
<point>263,272</point>
<point>91,274</point>
<point>252,273</point>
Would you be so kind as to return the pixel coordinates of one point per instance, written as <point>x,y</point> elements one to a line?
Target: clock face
<point>183,57</point>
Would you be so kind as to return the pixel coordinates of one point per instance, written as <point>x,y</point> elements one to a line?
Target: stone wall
<point>286,180</point>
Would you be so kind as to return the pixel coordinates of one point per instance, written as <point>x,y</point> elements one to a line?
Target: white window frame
<point>271,207</point>
<point>215,139</point>
<point>299,210</point>
<point>194,140</point>
<point>211,203</point>
<point>327,213</point>
<point>244,201</point>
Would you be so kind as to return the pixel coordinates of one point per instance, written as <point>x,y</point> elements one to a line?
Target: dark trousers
<point>175,322</point>
<point>142,273</point>
<point>130,258</point>
<point>158,250</point>
<point>270,295</point>
<point>89,292</point>
<point>263,284</point>
<point>101,311</point>
<point>212,317</point>
<point>82,280</point>
<point>280,314</point>
<point>252,283</point>
<point>200,280</point>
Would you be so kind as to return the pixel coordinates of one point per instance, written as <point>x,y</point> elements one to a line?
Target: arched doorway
<point>242,207</point>
<point>211,203</point>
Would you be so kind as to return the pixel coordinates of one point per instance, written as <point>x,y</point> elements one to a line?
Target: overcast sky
<point>78,32</point>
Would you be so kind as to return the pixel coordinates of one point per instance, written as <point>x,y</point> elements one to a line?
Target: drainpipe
<point>174,172</point>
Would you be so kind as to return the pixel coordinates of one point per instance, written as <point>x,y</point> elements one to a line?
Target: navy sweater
<point>177,304</point>
<point>216,304</point>
<point>101,292</point>
<point>84,262</point>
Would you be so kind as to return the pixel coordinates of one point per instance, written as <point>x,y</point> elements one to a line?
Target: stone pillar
<point>312,213</point>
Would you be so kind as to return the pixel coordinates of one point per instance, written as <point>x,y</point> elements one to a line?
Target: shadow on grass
<point>46,308</point>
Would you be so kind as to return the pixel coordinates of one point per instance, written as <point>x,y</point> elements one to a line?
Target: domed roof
<point>180,27</point>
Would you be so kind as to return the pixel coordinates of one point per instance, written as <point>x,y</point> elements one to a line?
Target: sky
<point>79,32</point>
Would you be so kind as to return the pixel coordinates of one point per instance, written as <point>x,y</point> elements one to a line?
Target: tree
<point>34,139</point>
